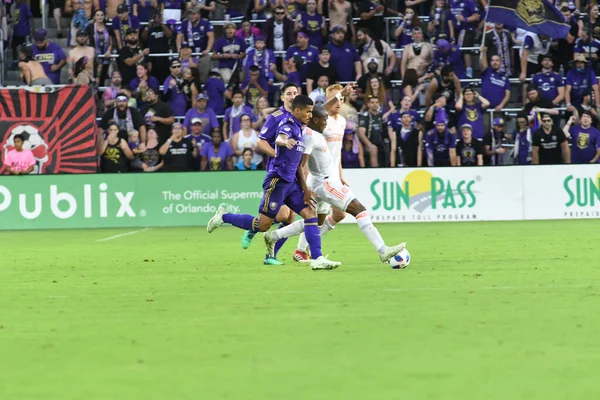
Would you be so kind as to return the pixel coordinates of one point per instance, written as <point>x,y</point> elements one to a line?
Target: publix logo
<point>420,191</point>
<point>582,192</point>
<point>88,202</point>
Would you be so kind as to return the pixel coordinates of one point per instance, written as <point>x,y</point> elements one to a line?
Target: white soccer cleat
<point>216,221</point>
<point>269,243</point>
<point>391,252</point>
<point>322,263</point>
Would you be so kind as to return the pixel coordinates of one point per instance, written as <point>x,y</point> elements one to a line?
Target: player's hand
<point>290,143</point>
<point>309,199</point>
<point>349,89</point>
<point>344,182</point>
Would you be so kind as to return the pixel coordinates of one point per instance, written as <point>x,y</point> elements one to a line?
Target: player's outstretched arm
<point>285,141</point>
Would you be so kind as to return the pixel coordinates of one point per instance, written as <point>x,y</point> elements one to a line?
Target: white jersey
<point>334,135</point>
<point>320,160</point>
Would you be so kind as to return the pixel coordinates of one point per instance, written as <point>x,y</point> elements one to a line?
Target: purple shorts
<point>277,192</point>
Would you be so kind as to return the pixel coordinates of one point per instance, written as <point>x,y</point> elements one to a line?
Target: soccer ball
<point>400,260</point>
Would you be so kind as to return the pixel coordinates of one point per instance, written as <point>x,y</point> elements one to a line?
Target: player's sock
<point>289,230</point>
<point>366,226</point>
<point>246,222</point>
<point>327,226</point>
<point>281,241</point>
<point>302,243</point>
<point>313,237</point>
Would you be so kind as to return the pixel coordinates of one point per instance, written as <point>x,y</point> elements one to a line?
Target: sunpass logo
<point>64,205</point>
<point>582,192</point>
<point>420,191</point>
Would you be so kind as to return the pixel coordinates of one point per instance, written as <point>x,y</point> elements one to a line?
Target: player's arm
<point>345,92</point>
<point>453,157</point>
<point>342,174</point>
<point>566,151</point>
<point>285,141</point>
<point>300,175</point>
<point>393,146</point>
<point>420,150</point>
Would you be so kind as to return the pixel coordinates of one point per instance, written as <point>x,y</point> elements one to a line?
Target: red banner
<point>59,128</point>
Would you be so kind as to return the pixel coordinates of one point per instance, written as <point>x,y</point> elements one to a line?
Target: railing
<point>2,58</point>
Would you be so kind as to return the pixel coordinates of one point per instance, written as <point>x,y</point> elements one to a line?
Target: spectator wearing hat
<point>447,53</point>
<point>49,54</point>
<point>231,120</point>
<point>313,23</point>
<point>471,106</point>
<point>548,82</point>
<point>216,155</point>
<point>99,38</point>
<point>536,105</point>
<point>584,137</point>
<point>469,152</point>
<point>344,55</point>
<point>23,27</point>
<point>141,83</point>
<point>587,44</point>
<point>440,20</point>
<point>549,144</point>
<point>370,48</point>
<point>308,53</point>
<point>157,35</point>
<point>494,83</point>
<point>466,16</point>
<point>370,73</point>
<point>79,19</point>
<point>197,136</point>
<point>406,144</point>
<point>207,115</point>
<point>111,92</point>
<point>418,55</point>
<point>130,56</point>
<point>123,23</point>
<point>215,91</point>
<point>127,118</point>
<point>321,68</point>
<point>198,34</point>
<point>230,50</point>
<point>278,30</point>
<point>173,90</point>
<point>522,137</point>
<point>157,115</point>
<point>499,42</point>
<point>80,51</point>
<point>492,144</point>
<point>254,86</point>
<point>580,83</point>
<point>440,143</point>
<point>178,152</point>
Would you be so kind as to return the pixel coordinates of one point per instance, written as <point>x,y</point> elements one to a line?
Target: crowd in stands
<point>202,106</point>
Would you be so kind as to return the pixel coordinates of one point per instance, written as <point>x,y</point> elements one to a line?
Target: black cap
<point>130,31</point>
<point>81,32</point>
<point>122,8</point>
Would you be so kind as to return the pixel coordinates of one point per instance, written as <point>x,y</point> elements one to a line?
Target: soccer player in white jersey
<point>334,135</point>
<point>327,185</point>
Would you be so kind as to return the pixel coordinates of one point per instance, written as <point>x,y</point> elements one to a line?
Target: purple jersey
<point>309,55</point>
<point>494,84</point>
<point>233,118</point>
<point>350,159</point>
<point>51,55</point>
<point>150,82</point>
<point>144,9</point>
<point>122,26</point>
<point>217,161</point>
<point>548,84</point>
<point>195,36</point>
<point>584,144</point>
<point>395,119</point>
<point>523,139</point>
<point>343,58</point>
<point>580,82</point>
<point>208,117</point>
<point>453,57</point>
<point>215,89</point>
<point>439,144</point>
<point>286,161</point>
<point>175,96</point>
<point>21,15</point>
<point>466,8</point>
<point>473,115</point>
<point>263,60</point>
<point>312,25</point>
<point>587,47</point>
<point>406,36</point>
<point>268,132</point>
<point>236,45</point>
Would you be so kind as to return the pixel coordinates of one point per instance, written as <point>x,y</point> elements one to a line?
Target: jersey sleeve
<point>309,142</point>
<point>269,129</point>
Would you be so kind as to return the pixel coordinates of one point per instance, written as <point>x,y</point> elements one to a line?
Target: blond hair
<point>332,90</point>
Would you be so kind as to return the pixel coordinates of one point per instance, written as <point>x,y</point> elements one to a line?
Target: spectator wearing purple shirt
<point>216,155</point>
<point>343,56</point>
<point>122,23</point>
<point>254,86</point>
<point>49,54</point>
<point>440,20</point>
<point>198,137</point>
<point>198,34</point>
<point>585,139</point>
<point>173,91</point>
<point>579,82</point>
<point>229,50</point>
<point>262,58</point>
<point>144,8</point>
<point>22,27</point>
<point>140,83</point>
<point>231,121</point>
<point>494,83</point>
<point>309,55</point>
<point>447,53</point>
<point>466,16</point>
<point>548,82</point>
<point>471,106</point>
<point>403,32</point>
<point>215,89</point>
<point>313,24</point>
<point>208,116</point>
<point>440,143</point>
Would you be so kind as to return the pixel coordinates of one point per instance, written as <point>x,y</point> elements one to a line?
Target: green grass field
<point>485,311</point>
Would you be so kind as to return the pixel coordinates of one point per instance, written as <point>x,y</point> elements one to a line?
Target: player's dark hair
<point>319,112</point>
<point>288,85</point>
<point>19,136</point>
<point>447,70</point>
<point>301,101</point>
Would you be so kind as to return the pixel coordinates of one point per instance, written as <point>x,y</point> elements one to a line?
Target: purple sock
<point>280,242</point>
<point>313,237</point>
<point>246,222</point>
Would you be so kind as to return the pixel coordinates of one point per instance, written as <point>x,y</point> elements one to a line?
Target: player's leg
<point>327,222</point>
<point>283,216</point>
<point>364,222</point>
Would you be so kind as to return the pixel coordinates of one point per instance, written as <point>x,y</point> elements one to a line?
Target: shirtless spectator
<point>340,14</point>
<point>32,72</point>
<point>79,51</point>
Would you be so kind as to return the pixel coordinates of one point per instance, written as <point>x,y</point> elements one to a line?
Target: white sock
<point>327,226</point>
<point>366,226</point>
<point>302,243</point>
<point>290,230</point>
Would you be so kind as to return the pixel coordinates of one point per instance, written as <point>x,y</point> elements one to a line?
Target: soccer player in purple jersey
<point>285,184</point>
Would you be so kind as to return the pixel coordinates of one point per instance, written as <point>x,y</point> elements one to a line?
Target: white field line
<point>316,291</point>
<point>122,235</point>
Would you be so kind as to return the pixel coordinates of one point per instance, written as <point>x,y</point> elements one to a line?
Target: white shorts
<point>330,192</point>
